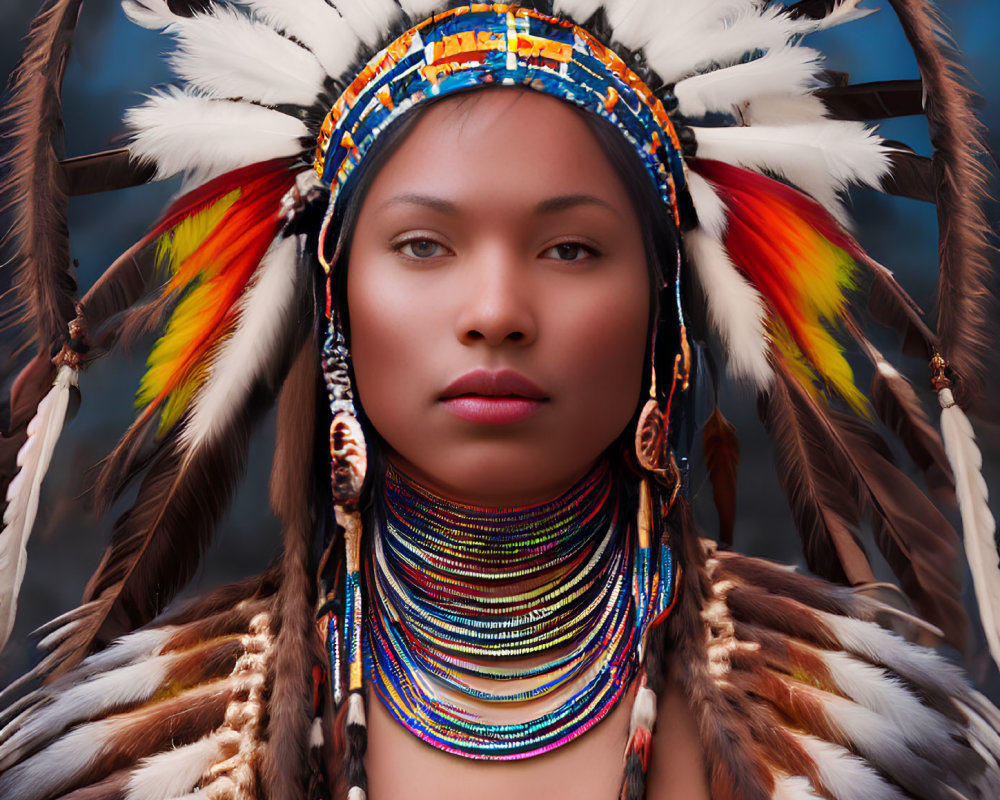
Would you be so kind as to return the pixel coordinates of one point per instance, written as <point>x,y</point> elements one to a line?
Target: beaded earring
<point>348,465</point>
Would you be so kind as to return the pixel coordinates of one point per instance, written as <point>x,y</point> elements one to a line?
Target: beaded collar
<point>540,608</point>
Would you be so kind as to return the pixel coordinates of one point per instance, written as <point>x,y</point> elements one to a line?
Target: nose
<point>497,304</point>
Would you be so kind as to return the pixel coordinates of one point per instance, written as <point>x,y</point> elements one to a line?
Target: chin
<point>497,474</point>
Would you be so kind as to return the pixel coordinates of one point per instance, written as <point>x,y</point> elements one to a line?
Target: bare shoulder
<point>677,762</point>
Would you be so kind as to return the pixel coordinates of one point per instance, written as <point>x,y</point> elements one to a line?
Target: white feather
<point>725,43</point>
<point>370,20</point>
<point>577,10</point>
<point>185,132</point>
<point>797,788</point>
<point>317,25</point>
<point>871,687</point>
<point>226,54</point>
<point>778,109</point>
<point>785,71</point>
<point>50,771</point>
<point>77,703</point>
<point>316,737</point>
<point>920,666</point>
<point>846,776</point>
<point>735,308</point>
<point>142,644</point>
<point>175,772</point>
<point>643,710</point>
<point>247,356</point>
<point>24,491</point>
<point>875,738</point>
<point>978,524</point>
<point>845,11</point>
<point>633,22</point>
<point>821,158</point>
<point>419,10</point>
<point>356,793</point>
<point>152,14</point>
<point>684,35</point>
<point>356,710</point>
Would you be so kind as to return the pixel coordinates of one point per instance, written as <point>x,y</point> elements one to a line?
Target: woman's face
<point>499,300</point>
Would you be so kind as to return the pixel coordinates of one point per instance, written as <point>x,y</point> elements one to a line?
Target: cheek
<point>385,340</point>
<point>610,344</point>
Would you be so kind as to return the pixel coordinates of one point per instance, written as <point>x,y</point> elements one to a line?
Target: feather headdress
<point>754,145</point>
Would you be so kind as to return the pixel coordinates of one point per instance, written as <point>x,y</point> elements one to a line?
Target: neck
<point>527,611</point>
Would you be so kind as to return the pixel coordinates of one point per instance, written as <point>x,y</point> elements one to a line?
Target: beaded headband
<point>482,44</point>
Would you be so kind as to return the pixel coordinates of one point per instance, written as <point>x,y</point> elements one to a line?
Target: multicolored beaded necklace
<point>551,601</point>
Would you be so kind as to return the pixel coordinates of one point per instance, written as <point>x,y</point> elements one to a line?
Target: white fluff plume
<point>85,700</point>
<point>248,355</point>
<point>152,14</point>
<point>871,687</point>
<point>643,710</point>
<point>317,25</point>
<point>786,71</point>
<point>227,55</point>
<point>419,10</point>
<point>727,42</point>
<point>788,788</point>
<point>50,771</point>
<point>173,773</point>
<point>184,132</point>
<point>776,109</point>
<point>736,310</point>
<point>684,34</point>
<point>845,11</point>
<point>24,490</point>
<point>634,22</point>
<point>846,776</point>
<point>978,524</point>
<point>369,19</point>
<point>577,10</point>
<point>820,158</point>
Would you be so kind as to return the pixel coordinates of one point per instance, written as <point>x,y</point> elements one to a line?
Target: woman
<point>512,555</point>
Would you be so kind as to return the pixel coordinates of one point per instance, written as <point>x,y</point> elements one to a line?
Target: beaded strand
<point>454,588</point>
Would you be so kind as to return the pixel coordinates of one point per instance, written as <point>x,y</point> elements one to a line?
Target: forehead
<point>502,146</point>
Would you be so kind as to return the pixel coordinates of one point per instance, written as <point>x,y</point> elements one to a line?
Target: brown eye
<point>569,251</point>
<point>421,248</point>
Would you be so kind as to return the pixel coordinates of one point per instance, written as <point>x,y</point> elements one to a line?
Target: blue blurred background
<point>114,62</point>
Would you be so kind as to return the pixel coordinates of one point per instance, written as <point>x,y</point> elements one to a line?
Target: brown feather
<point>113,787</point>
<point>910,175</point>
<point>917,541</point>
<point>293,497</point>
<point>33,190</point>
<point>964,297</point>
<point>722,457</point>
<point>156,545</point>
<point>721,716</point>
<point>898,406</point>
<point>825,515</point>
<point>104,172</point>
<point>890,305</point>
<point>876,100</point>
<point>118,289</point>
<point>173,722</point>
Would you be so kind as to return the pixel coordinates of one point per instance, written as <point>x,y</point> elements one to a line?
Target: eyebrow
<point>425,200</point>
<point>567,201</point>
<point>550,205</point>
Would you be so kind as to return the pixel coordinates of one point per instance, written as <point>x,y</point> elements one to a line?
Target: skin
<point>474,251</point>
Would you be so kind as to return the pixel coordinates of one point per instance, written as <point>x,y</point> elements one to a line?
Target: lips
<point>503,397</point>
<point>502,383</point>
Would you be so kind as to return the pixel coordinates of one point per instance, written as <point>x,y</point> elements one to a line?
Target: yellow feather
<point>179,243</point>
